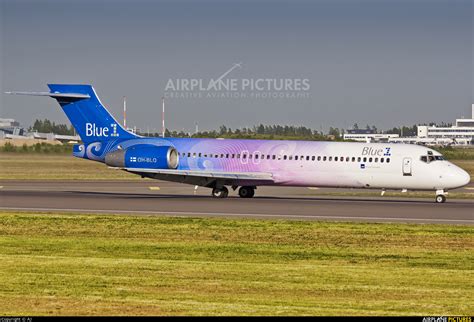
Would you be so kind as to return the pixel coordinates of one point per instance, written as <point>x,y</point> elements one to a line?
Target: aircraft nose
<point>455,177</point>
<point>460,178</point>
<point>465,178</point>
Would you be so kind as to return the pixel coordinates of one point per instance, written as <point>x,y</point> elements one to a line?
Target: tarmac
<point>151,197</point>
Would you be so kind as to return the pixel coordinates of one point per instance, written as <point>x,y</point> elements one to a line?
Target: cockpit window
<point>430,158</point>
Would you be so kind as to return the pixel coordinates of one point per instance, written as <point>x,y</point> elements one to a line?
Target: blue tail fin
<point>89,117</point>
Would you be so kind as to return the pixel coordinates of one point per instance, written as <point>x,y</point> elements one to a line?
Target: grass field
<point>56,167</point>
<point>75,264</point>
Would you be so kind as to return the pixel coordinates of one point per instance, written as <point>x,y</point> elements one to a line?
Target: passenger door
<point>407,166</point>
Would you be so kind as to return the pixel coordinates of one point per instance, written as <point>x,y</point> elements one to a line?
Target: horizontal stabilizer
<point>54,95</point>
<point>83,108</point>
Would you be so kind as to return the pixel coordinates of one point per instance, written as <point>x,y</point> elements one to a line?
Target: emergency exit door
<point>407,166</point>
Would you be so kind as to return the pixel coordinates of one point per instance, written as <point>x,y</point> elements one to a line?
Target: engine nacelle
<point>144,156</point>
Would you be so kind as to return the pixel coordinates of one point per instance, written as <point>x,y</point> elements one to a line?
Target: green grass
<point>37,148</point>
<point>20,166</point>
<point>457,153</point>
<point>71,264</point>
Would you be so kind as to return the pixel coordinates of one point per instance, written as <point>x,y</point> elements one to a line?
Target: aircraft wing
<point>203,177</point>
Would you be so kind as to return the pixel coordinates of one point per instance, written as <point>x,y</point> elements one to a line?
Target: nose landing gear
<point>440,196</point>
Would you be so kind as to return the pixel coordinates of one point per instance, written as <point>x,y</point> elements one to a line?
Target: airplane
<point>248,164</point>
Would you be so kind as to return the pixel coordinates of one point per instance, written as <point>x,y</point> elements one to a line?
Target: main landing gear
<point>244,192</point>
<point>440,196</point>
<point>222,192</point>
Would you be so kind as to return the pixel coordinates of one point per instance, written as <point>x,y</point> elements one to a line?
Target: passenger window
<point>330,158</point>
<point>342,159</point>
<point>268,157</point>
<point>365,159</point>
<point>244,156</point>
<point>388,160</point>
<point>358,159</point>
<point>256,156</point>
<point>313,158</point>
<point>335,158</point>
<point>353,159</point>
<point>381,160</point>
<point>370,159</point>
<point>284,157</point>
<point>347,159</point>
<point>273,157</point>
<point>319,158</point>
<point>296,157</point>
<point>290,157</point>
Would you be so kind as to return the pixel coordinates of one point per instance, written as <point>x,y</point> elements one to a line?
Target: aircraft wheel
<point>220,193</point>
<point>246,192</point>
<point>440,199</point>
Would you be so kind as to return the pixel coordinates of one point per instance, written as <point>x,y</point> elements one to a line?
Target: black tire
<point>220,193</point>
<point>246,192</point>
<point>440,199</point>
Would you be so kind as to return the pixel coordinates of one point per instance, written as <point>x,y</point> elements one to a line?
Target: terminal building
<point>460,134</point>
<point>11,130</point>
<point>368,135</point>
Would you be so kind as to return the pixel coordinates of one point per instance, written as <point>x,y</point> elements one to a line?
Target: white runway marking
<point>223,214</point>
<point>154,188</point>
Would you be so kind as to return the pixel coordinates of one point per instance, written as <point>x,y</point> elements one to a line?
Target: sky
<point>381,62</point>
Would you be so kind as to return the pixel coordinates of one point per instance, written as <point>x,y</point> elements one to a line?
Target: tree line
<point>46,126</point>
<point>260,131</point>
<point>256,132</point>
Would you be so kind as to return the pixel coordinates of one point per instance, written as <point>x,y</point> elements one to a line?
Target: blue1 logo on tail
<point>93,130</point>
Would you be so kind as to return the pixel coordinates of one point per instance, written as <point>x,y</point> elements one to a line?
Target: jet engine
<point>144,156</point>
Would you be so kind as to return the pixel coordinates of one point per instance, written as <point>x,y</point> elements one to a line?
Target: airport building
<point>11,130</point>
<point>368,135</point>
<point>460,134</point>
